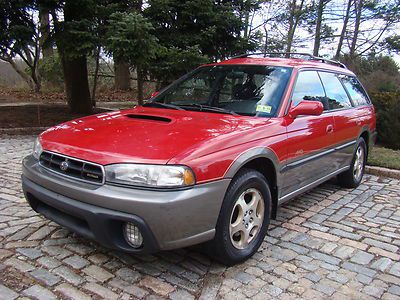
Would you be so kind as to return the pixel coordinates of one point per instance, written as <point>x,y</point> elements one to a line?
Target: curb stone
<point>378,171</point>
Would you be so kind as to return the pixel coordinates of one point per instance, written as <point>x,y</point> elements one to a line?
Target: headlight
<point>37,149</point>
<point>150,175</point>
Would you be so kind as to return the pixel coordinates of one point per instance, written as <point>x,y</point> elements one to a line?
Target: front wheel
<point>352,177</point>
<point>243,219</point>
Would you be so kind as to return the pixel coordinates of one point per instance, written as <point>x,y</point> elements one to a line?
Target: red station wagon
<point>208,159</point>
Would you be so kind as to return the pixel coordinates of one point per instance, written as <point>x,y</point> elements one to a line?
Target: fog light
<point>133,235</point>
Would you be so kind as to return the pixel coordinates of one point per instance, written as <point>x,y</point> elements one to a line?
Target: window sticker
<point>264,108</point>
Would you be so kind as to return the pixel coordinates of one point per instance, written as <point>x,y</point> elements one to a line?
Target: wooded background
<point>71,43</point>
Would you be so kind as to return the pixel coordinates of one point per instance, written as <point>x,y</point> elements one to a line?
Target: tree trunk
<point>294,18</point>
<point>74,63</point>
<point>77,84</point>
<point>317,39</point>
<point>358,5</point>
<point>45,45</point>
<point>122,79</point>
<point>344,28</point>
<point>96,75</point>
<point>140,81</point>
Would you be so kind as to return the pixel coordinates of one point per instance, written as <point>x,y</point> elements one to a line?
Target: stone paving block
<point>98,273</point>
<point>382,245</point>
<point>45,276</point>
<point>382,264</point>
<point>19,264</point>
<point>68,275</point>
<point>7,294</point>
<point>31,253</point>
<point>39,293</point>
<point>359,269</point>
<point>128,288</point>
<point>157,286</point>
<point>183,295</point>
<point>70,292</point>
<point>362,258</point>
<point>76,262</point>
<point>103,292</point>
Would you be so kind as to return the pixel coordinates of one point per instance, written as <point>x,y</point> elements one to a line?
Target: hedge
<point>387,106</point>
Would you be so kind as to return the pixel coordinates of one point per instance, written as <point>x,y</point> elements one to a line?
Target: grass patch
<point>383,157</point>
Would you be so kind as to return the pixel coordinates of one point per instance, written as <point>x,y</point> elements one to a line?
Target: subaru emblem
<point>64,166</point>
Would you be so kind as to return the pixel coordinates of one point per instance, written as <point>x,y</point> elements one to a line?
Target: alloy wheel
<point>246,218</point>
<point>359,163</point>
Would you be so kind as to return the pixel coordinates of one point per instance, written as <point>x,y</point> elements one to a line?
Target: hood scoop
<point>149,118</point>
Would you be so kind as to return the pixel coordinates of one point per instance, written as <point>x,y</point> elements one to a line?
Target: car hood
<point>146,135</point>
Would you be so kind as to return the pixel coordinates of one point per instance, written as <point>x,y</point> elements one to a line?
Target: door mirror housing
<point>306,108</point>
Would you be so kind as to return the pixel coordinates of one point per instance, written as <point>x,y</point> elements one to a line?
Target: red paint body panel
<point>209,143</point>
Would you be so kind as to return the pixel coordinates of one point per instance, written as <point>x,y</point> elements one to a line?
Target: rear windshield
<point>245,90</point>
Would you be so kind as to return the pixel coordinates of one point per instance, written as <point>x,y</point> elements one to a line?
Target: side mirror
<point>307,108</point>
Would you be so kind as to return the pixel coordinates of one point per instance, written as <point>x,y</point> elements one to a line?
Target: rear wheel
<point>243,219</point>
<point>353,177</point>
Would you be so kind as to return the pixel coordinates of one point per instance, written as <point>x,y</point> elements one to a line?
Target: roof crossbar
<point>291,54</point>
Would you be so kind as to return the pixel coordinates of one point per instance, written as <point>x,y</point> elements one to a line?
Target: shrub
<point>50,69</point>
<point>387,107</point>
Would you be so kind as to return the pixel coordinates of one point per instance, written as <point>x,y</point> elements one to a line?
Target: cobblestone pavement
<point>329,243</point>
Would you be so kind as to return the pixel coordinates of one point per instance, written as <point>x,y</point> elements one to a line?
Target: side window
<point>309,87</point>
<point>356,91</point>
<point>335,93</point>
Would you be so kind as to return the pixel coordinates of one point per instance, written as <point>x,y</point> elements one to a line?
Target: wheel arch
<point>265,161</point>
<point>366,135</point>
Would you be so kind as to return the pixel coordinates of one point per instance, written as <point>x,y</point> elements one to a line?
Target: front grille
<point>72,167</point>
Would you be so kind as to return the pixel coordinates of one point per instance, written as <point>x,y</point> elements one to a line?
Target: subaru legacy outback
<point>209,159</point>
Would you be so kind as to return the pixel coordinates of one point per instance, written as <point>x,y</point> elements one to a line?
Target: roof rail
<point>290,54</point>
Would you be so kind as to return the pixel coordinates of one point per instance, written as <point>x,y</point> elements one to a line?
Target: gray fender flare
<point>251,154</point>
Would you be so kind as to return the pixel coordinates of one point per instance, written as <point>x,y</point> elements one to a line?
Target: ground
<point>329,243</point>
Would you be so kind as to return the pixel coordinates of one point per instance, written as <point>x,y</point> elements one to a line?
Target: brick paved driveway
<point>328,243</point>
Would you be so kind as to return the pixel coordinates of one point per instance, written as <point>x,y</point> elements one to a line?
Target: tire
<point>244,218</point>
<point>353,177</point>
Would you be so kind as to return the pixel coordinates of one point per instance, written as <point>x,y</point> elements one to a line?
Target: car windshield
<point>240,89</point>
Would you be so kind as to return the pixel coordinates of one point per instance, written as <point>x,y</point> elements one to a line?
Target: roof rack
<point>290,54</point>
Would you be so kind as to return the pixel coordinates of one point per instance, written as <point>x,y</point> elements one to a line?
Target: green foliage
<point>129,37</point>
<point>17,27</point>
<point>75,34</point>
<point>377,72</point>
<point>173,61</point>
<point>387,107</point>
<point>195,31</point>
<point>50,69</point>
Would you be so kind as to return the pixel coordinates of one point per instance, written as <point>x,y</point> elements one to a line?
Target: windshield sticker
<point>264,108</point>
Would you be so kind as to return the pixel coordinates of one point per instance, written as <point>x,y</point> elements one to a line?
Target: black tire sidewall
<point>243,181</point>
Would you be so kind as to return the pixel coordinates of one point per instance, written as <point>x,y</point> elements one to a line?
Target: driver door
<point>310,138</point>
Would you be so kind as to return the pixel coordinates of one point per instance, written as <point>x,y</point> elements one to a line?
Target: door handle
<point>329,128</point>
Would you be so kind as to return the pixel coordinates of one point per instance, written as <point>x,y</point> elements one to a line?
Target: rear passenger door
<point>346,119</point>
<point>310,138</point>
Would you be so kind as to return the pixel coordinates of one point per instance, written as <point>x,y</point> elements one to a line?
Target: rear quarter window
<point>355,90</point>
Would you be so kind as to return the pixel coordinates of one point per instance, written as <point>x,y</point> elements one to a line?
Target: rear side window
<point>356,91</point>
<point>309,87</point>
<point>335,93</point>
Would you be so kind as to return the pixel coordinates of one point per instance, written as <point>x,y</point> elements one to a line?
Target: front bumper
<point>168,219</point>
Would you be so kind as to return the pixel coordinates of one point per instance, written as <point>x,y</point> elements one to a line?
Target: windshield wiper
<point>209,108</point>
<point>163,105</point>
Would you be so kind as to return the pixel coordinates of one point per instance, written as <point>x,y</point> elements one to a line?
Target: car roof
<point>295,63</point>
